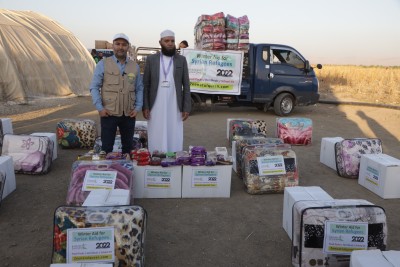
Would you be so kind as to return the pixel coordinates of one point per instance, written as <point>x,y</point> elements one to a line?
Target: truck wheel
<point>193,106</point>
<point>283,104</point>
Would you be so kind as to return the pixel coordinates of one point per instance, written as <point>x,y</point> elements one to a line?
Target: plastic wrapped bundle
<point>124,179</point>
<point>30,154</point>
<point>244,24</point>
<point>239,127</point>
<point>76,133</point>
<point>244,39</point>
<point>232,32</point>
<point>269,179</point>
<point>311,218</point>
<point>167,162</point>
<point>142,156</point>
<point>129,223</point>
<point>183,157</point>
<point>210,32</point>
<point>231,22</point>
<point>243,141</point>
<point>198,155</point>
<point>294,131</point>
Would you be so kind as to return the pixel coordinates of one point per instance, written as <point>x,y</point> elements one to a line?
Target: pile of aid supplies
<point>196,156</point>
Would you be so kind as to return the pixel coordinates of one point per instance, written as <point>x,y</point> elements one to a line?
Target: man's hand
<point>146,114</point>
<point>104,113</point>
<point>133,114</point>
<point>185,115</point>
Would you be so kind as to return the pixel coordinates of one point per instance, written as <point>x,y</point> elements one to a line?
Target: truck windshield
<point>282,56</point>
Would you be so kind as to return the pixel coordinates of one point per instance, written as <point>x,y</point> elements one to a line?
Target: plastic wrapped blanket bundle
<point>124,178</point>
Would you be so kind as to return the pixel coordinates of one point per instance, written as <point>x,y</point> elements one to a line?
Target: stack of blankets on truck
<point>217,32</point>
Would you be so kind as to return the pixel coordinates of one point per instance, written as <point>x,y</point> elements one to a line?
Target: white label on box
<point>344,237</point>
<point>99,180</point>
<point>372,176</point>
<point>90,244</point>
<point>157,178</point>
<point>205,178</point>
<point>271,165</point>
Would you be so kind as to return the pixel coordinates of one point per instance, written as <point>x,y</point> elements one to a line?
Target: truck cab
<point>277,76</point>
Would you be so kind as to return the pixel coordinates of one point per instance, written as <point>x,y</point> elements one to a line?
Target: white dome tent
<point>40,59</point>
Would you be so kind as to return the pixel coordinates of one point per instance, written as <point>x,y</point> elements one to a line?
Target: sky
<point>346,32</point>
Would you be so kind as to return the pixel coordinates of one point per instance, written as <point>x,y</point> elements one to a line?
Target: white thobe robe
<point>165,126</point>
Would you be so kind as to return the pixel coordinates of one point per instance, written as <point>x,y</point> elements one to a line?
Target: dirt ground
<point>243,230</point>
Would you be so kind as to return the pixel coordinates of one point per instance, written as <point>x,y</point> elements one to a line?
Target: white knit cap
<point>121,36</point>
<point>167,33</point>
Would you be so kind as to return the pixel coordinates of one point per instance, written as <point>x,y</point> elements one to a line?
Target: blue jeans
<point>109,126</point>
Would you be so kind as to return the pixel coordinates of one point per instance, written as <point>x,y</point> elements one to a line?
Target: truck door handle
<point>270,75</point>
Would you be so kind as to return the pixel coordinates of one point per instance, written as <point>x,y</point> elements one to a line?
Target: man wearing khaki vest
<point>117,93</point>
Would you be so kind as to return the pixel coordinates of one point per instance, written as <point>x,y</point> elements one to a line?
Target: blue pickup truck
<point>274,76</point>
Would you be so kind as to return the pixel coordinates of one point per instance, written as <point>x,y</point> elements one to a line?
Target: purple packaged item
<point>198,150</point>
<point>182,157</point>
<point>210,162</point>
<point>197,161</point>
<point>166,162</point>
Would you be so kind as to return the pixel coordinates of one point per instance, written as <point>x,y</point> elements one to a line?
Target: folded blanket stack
<point>217,32</point>
<point>244,26</point>
<point>210,32</point>
<point>237,33</point>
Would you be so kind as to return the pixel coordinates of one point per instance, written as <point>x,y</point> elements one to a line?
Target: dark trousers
<point>109,126</point>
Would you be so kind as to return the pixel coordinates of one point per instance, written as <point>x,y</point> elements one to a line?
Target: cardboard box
<point>380,173</point>
<point>157,181</point>
<point>7,126</point>
<point>206,181</point>
<point>104,197</point>
<point>109,45</point>
<point>327,153</point>
<point>374,258</point>
<point>298,193</point>
<point>7,166</point>
<point>53,138</point>
<point>100,44</point>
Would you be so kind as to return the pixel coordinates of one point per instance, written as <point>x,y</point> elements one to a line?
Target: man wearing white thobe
<point>166,99</point>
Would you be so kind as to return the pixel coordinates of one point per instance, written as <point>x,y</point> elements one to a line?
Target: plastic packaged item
<point>124,178</point>
<point>159,154</point>
<point>198,150</point>
<point>117,156</point>
<point>76,133</point>
<point>155,161</point>
<point>294,131</point>
<point>31,154</point>
<point>260,178</point>
<point>166,162</point>
<point>170,155</point>
<point>142,156</point>
<point>317,221</point>
<point>182,158</point>
<point>129,223</point>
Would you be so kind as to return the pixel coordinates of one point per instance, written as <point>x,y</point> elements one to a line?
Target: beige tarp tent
<point>39,58</point>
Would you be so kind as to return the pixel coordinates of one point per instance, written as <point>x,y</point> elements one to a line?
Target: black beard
<point>168,52</point>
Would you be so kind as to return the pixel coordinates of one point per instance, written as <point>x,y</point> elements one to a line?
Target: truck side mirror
<point>307,67</point>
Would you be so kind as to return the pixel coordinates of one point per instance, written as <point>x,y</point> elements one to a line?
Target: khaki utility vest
<point>118,91</point>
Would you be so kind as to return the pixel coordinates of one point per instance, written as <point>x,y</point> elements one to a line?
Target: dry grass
<point>373,84</point>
